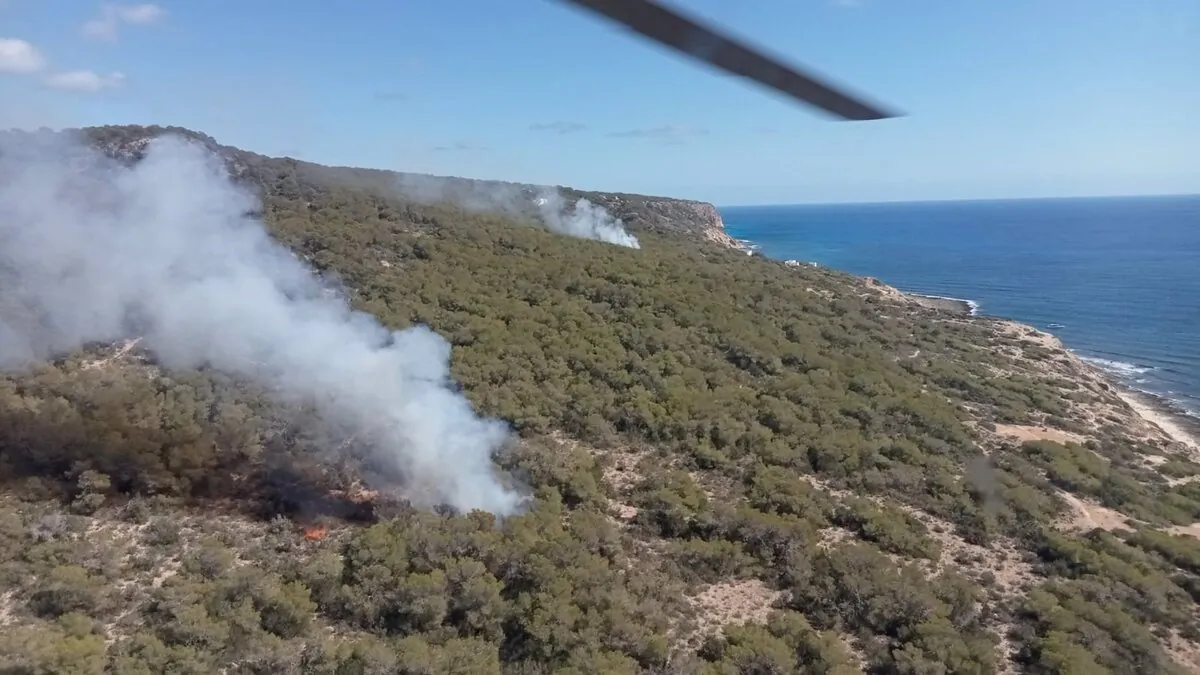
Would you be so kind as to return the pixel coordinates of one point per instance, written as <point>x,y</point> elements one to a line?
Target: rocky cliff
<point>660,214</point>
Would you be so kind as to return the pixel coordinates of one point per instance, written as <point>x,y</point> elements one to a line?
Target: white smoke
<point>92,250</point>
<point>585,220</point>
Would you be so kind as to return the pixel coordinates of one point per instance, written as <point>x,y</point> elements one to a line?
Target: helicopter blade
<point>669,27</point>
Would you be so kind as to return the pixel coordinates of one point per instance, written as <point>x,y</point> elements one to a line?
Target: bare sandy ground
<point>1162,420</point>
<point>1037,433</point>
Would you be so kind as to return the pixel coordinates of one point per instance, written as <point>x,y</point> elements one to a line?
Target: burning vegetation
<point>787,437</point>
<point>315,532</point>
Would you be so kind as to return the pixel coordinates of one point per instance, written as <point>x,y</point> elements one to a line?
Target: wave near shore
<point>1171,417</point>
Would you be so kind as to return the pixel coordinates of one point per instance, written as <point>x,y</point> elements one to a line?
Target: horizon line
<point>959,200</point>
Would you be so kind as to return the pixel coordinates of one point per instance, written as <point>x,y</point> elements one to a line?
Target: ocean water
<point>1117,279</point>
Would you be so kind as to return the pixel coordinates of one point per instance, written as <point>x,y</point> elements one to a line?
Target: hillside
<point>290,177</point>
<point>736,466</point>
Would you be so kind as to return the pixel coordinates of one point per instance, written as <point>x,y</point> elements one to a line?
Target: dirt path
<point>114,357</point>
<point>1089,516</point>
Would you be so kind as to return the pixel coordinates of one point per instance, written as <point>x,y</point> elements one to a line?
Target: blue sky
<point>1020,98</point>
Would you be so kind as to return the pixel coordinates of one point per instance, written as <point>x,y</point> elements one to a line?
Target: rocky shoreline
<point>1158,417</point>
<point>955,305</point>
<point>1154,418</point>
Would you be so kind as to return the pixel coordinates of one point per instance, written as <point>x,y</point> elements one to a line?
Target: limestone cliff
<point>668,216</point>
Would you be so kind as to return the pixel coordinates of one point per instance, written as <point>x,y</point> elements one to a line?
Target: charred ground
<point>739,467</point>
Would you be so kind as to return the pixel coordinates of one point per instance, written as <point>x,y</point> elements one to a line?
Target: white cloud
<point>85,81</point>
<point>141,14</point>
<point>18,57</point>
<point>104,27</point>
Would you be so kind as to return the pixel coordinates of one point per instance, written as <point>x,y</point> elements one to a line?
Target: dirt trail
<point>121,353</point>
<point>1089,516</point>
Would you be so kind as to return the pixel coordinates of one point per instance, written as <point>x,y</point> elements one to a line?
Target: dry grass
<point>832,537</point>
<point>1184,652</point>
<point>1037,433</point>
<point>8,604</point>
<point>732,603</point>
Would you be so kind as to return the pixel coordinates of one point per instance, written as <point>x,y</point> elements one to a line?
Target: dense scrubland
<point>738,467</point>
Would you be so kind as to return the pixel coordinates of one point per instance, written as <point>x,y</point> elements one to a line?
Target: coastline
<point>1176,425</point>
<point>957,305</point>
<point>1157,415</point>
<point>940,303</point>
<point>1155,412</point>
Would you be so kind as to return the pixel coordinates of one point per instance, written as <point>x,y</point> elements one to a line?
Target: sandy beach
<point>1171,423</point>
<point>1161,415</point>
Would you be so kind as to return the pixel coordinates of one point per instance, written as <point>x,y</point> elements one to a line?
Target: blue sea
<point>1117,279</point>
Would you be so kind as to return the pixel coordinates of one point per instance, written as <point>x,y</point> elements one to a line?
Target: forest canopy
<point>738,467</point>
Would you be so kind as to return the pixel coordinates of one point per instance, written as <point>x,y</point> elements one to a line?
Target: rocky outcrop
<point>667,216</point>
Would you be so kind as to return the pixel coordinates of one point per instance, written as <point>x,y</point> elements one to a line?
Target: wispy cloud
<point>845,3</point>
<point>86,81</point>
<point>106,26</point>
<point>560,127</point>
<point>461,146</point>
<point>672,134</point>
<point>18,57</point>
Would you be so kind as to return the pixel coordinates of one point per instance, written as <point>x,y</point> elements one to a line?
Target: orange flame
<point>315,533</point>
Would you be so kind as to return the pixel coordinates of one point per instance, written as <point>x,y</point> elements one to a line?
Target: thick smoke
<point>583,220</point>
<point>92,250</point>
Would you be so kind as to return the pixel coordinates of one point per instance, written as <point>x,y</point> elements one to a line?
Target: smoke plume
<point>583,220</point>
<point>92,250</point>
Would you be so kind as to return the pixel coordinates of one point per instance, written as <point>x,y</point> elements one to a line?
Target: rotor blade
<point>671,28</point>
